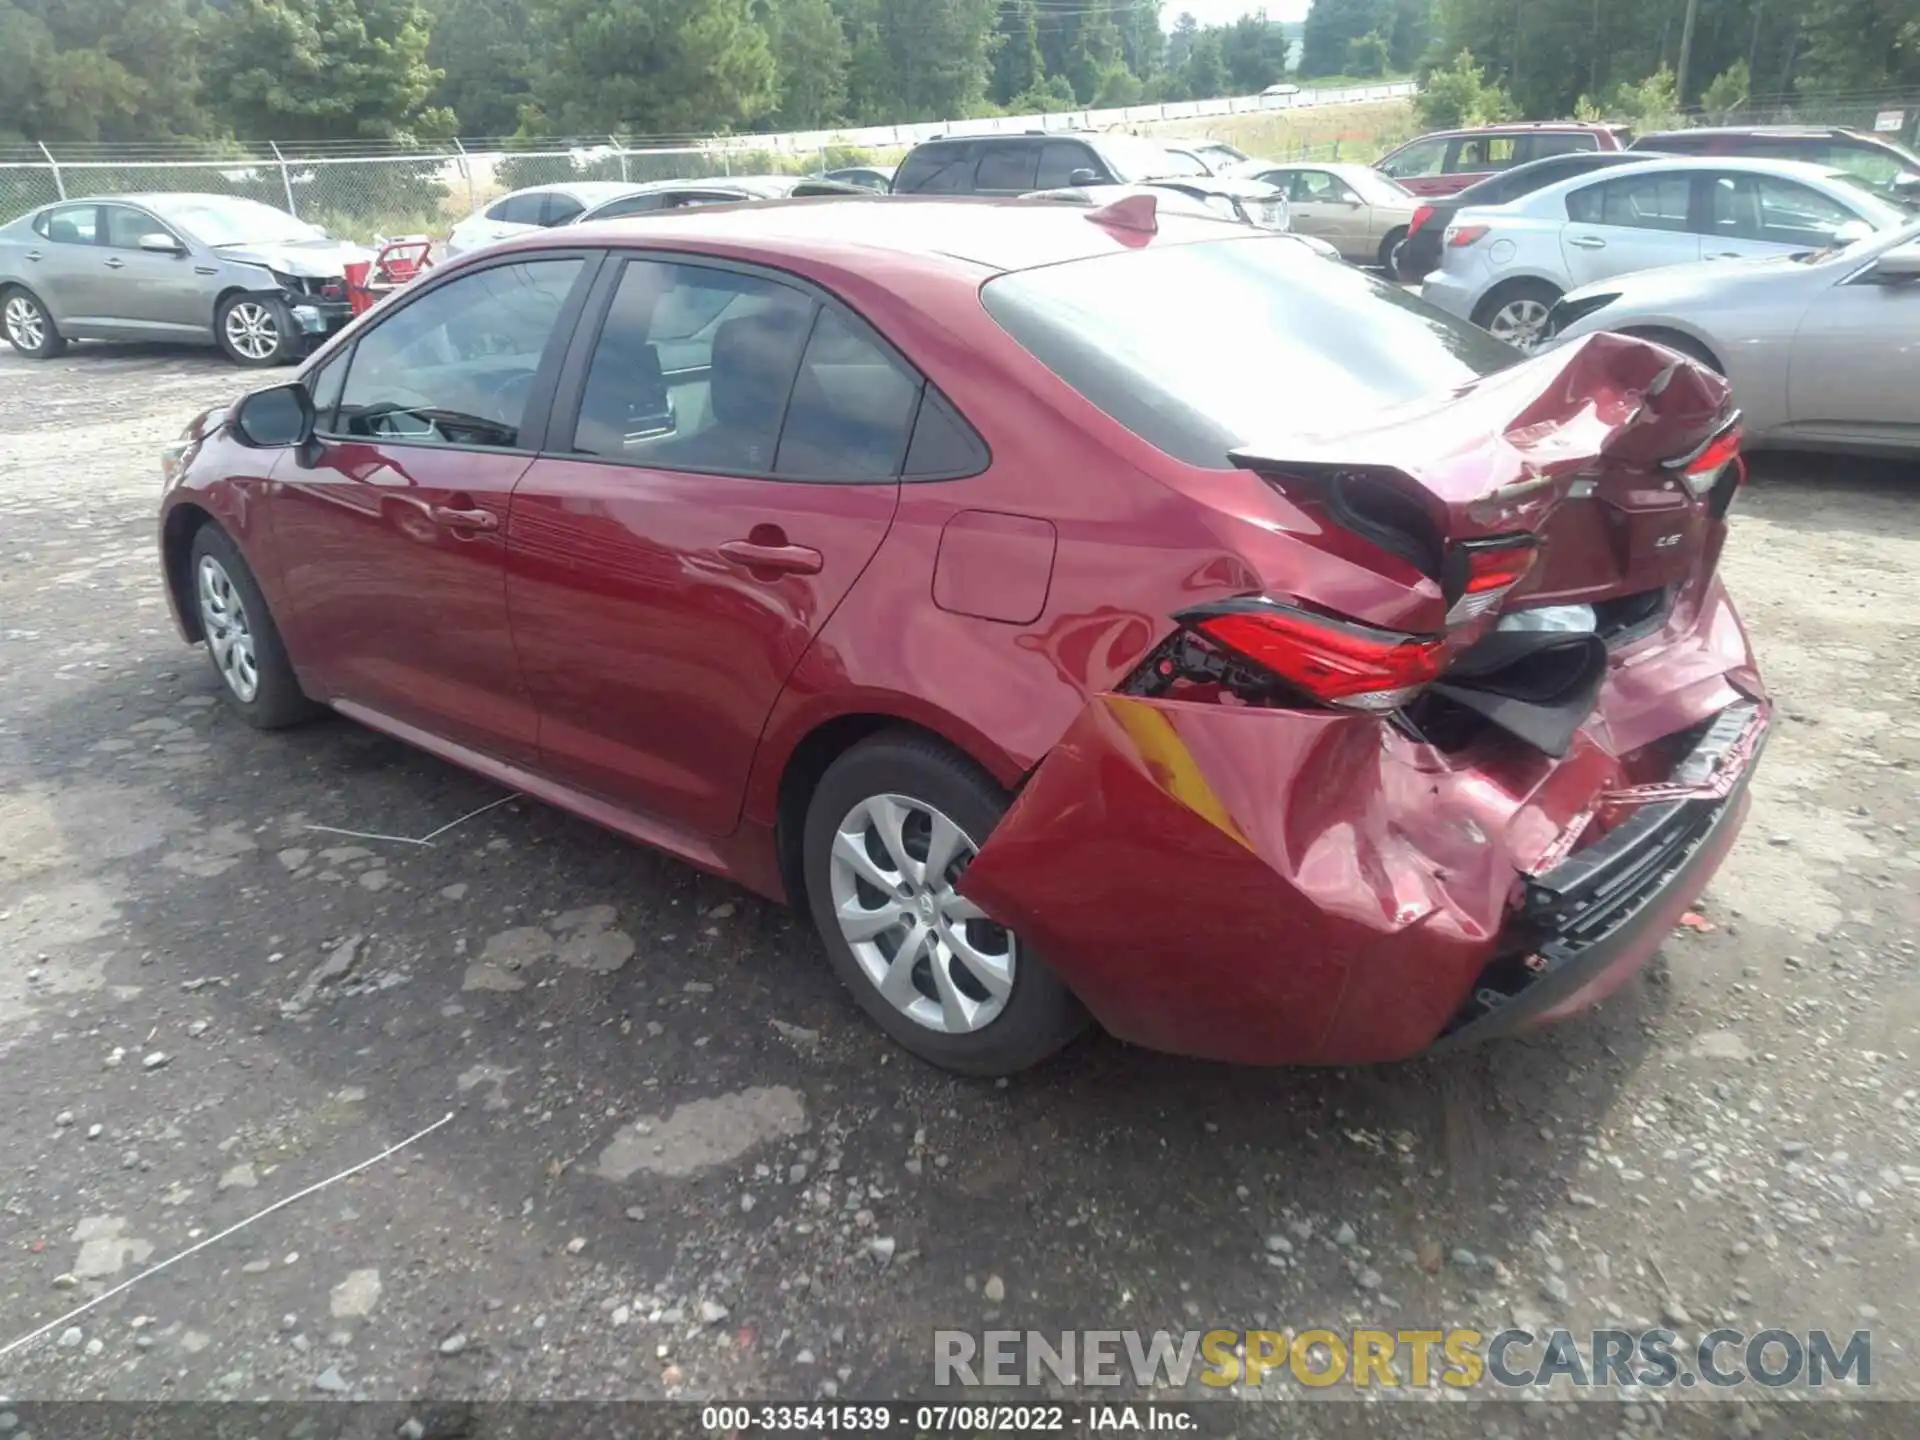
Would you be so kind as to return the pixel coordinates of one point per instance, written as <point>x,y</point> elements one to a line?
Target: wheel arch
<point>183,521</point>
<point>1690,344</point>
<point>1491,297</point>
<point>814,752</point>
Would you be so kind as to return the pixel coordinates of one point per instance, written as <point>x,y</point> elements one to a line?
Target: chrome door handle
<point>464,519</point>
<point>114,262</point>
<point>32,255</point>
<point>1724,255</point>
<point>1588,242</point>
<point>788,559</point>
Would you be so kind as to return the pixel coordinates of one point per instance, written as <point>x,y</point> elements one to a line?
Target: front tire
<point>892,825</point>
<point>255,331</point>
<point>242,641</point>
<point>1517,312</point>
<point>30,329</point>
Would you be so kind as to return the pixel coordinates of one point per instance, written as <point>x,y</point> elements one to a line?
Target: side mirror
<point>1083,177</point>
<point>276,418</point>
<point>1899,266</point>
<point>160,243</point>
<point>1850,232</point>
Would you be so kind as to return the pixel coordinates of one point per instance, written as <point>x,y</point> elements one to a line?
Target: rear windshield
<point>1200,348</point>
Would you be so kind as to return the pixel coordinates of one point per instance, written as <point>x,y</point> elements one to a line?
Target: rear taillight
<point>1702,469</point>
<point>1338,662</point>
<point>1421,215</point>
<point>1463,235</point>
<point>1479,573</point>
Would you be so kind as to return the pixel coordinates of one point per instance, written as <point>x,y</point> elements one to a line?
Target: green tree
<point>651,67</point>
<point>1460,94</point>
<point>1367,56</point>
<point>323,70</point>
<point>1728,91</point>
<point>99,69</point>
<point>1860,45</point>
<point>810,63</point>
<point>1017,63</point>
<point>1255,50</point>
<point>1206,69</point>
<point>941,52</point>
<point>481,50</point>
<point>1333,25</point>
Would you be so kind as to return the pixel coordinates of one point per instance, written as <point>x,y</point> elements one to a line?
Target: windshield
<point>236,222</point>
<point>1198,348</point>
<point>1133,159</point>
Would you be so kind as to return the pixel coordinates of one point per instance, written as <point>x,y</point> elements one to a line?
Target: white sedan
<point>1504,266</point>
<point>538,207</point>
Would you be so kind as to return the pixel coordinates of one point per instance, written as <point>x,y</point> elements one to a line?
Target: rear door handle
<point>1724,255</point>
<point>788,559</point>
<point>1588,242</point>
<point>32,255</point>
<point>464,519</point>
<point>114,262</point>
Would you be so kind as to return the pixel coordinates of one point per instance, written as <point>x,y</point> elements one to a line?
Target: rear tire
<point>874,822</point>
<point>243,643</point>
<point>1685,344</point>
<point>30,329</point>
<point>1389,258</point>
<point>256,331</point>
<point>1517,311</point>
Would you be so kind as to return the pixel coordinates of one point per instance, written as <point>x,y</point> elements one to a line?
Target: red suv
<point>1450,160</point>
<point>1294,674</point>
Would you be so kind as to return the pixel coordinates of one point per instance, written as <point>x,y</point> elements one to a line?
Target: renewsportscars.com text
<point>1385,1360</point>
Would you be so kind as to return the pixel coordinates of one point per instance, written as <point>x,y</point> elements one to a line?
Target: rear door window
<point>558,209</point>
<point>693,369</point>
<point>1009,168</point>
<point>1474,153</point>
<point>1539,147</point>
<point>852,406</point>
<point>1321,187</point>
<point>1059,159</point>
<point>1637,202</point>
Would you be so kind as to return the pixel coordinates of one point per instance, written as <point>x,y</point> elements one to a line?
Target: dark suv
<point>1018,164</point>
<point>1875,161</point>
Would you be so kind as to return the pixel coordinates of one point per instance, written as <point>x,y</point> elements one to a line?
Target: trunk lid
<point>1583,446</point>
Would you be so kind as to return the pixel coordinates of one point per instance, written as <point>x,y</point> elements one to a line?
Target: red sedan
<point>1081,612</point>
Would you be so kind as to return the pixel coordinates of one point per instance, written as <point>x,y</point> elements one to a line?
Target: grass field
<point>1361,132</point>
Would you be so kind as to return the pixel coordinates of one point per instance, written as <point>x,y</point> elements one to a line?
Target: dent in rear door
<point>691,527</point>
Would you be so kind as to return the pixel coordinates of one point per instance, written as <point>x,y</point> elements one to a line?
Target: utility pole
<point>1686,52</point>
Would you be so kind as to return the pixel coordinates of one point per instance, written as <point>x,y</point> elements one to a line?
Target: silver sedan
<point>193,269</point>
<point>1823,348</point>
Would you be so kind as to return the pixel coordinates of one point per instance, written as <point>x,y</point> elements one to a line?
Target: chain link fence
<point>359,190</point>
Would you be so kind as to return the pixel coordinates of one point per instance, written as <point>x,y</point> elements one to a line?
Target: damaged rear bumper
<point>1598,916</point>
<point>1274,886</point>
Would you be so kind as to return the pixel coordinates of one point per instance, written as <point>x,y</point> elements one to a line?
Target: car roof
<point>979,232</point>
<point>1737,164</point>
<point>1515,127</point>
<point>1789,132</point>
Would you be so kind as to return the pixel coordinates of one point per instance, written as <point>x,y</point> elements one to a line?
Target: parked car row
<point>896,561</point>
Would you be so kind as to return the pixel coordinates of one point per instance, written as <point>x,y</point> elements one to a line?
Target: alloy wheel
<point>26,325</point>
<point>223,618</point>
<point>1519,322</point>
<point>932,955</point>
<point>251,330</point>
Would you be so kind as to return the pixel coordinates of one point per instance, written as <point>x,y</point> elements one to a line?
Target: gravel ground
<point>680,1163</point>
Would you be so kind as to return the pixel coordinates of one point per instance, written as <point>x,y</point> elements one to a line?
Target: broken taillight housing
<point>1700,471</point>
<point>1480,573</point>
<point>1338,662</point>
